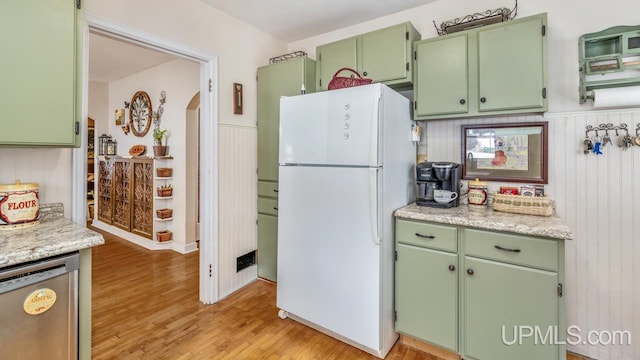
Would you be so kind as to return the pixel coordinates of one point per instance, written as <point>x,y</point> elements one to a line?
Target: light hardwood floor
<point>145,306</point>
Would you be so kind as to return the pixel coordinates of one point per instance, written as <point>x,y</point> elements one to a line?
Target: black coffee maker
<point>433,176</point>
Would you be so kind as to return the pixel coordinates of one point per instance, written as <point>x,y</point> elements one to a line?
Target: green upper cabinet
<point>383,55</point>
<point>41,73</point>
<point>521,71</point>
<point>274,81</point>
<point>336,55</point>
<point>500,70</point>
<point>444,91</point>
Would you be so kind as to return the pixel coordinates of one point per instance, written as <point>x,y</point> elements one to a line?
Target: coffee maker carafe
<point>438,184</point>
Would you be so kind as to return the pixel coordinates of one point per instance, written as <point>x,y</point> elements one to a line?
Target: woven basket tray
<point>164,213</point>
<point>519,204</point>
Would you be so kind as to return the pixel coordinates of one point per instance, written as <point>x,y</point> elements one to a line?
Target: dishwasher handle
<point>24,275</point>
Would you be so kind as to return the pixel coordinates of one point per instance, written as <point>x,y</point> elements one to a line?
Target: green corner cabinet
<point>41,72</point>
<point>383,55</point>
<point>284,78</point>
<point>491,70</point>
<point>474,291</point>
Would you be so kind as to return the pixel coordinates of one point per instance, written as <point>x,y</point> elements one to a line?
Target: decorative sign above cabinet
<point>140,113</point>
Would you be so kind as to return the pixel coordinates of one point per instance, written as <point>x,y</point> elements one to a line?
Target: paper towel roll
<point>617,97</point>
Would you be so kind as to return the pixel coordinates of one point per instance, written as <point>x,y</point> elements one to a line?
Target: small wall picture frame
<point>119,117</point>
<point>237,98</point>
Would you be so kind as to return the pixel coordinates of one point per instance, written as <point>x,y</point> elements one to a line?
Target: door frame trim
<point>208,272</point>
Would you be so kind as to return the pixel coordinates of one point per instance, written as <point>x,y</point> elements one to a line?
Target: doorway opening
<point>208,197</point>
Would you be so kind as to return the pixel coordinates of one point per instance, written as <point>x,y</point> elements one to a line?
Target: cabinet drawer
<point>267,188</point>
<point>268,206</point>
<point>429,235</point>
<point>512,248</point>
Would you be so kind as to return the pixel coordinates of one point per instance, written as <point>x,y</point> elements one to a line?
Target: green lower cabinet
<point>427,295</point>
<point>268,247</point>
<point>504,303</point>
<point>486,295</point>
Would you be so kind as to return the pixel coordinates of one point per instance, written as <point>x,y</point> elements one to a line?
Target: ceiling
<point>111,59</point>
<point>291,20</point>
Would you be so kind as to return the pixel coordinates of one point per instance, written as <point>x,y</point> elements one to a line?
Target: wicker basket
<point>164,172</point>
<point>164,213</point>
<point>164,192</point>
<point>164,235</point>
<point>341,82</point>
<point>519,204</point>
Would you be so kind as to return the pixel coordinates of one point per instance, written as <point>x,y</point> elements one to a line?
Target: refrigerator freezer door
<point>338,127</point>
<point>328,258</point>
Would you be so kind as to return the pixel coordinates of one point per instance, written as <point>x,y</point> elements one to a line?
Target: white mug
<point>444,196</point>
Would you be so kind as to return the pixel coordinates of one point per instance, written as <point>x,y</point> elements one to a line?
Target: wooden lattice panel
<point>104,191</point>
<point>122,194</point>
<point>142,214</point>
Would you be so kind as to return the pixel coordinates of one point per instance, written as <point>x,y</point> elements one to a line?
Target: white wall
<point>596,196</point>
<point>180,79</point>
<point>50,168</point>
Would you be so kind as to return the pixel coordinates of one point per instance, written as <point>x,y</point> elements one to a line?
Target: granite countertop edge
<point>54,235</point>
<point>488,219</point>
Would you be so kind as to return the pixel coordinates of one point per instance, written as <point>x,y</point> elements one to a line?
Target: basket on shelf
<point>164,172</point>
<point>164,192</point>
<point>164,213</point>
<point>164,235</point>
<point>519,204</point>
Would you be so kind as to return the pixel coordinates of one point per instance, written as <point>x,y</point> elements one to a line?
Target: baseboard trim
<point>428,348</point>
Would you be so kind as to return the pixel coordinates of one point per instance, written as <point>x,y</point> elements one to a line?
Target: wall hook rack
<point>595,143</point>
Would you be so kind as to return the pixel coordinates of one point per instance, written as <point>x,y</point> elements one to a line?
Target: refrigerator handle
<point>373,205</point>
<point>373,144</point>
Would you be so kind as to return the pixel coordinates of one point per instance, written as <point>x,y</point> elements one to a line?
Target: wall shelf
<point>609,59</point>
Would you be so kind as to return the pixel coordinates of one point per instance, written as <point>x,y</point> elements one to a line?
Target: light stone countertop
<point>486,218</point>
<point>54,235</point>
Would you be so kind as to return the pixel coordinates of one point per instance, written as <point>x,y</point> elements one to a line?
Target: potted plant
<point>158,148</point>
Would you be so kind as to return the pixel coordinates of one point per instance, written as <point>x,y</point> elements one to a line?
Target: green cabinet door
<point>384,54</point>
<point>441,76</point>
<point>427,295</point>
<point>334,56</point>
<point>39,72</point>
<point>511,71</point>
<point>284,78</point>
<point>274,81</point>
<point>268,247</point>
<point>499,301</point>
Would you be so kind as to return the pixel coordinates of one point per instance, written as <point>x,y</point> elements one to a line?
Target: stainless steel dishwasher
<point>39,309</point>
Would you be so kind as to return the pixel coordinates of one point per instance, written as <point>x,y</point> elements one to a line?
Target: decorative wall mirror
<point>505,152</point>
<point>140,113</point>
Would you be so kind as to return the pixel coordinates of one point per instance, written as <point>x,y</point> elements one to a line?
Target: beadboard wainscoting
<point>598,196</point>
<point>50,168</point>
<point>238,193</point>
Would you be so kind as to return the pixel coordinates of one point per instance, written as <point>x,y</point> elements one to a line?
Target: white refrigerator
<point>346,163</point>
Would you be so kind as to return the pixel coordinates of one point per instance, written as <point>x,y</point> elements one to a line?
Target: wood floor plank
<point>145,306</point>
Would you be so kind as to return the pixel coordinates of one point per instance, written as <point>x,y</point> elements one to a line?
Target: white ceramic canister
<point>19,205</point>
<point>478,193</point>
